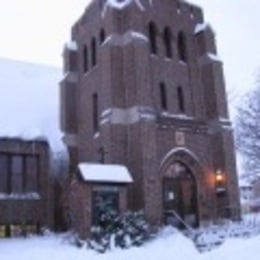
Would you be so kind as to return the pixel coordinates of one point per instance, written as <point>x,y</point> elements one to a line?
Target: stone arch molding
<point>185,156</point>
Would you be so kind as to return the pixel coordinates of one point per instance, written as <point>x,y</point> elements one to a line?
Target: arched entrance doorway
<point>180,202</point>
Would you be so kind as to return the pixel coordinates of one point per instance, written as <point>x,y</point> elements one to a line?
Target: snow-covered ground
<point>169,245</point>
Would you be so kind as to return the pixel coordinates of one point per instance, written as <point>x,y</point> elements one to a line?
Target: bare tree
<point>248,130</point>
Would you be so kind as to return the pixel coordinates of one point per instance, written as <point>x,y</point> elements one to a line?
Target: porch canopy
<point>104,173</point>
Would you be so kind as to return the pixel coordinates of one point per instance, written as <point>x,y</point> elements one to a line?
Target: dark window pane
<point>3,173</point>
<point>152,37</point>
<point>102,36</point>
<point>163,96</point>
<point>85,58</point>
<point>180,99</point>
<point>167,42</point>
<point>105,204</point>
<point>31,174</point>
<point>93,52</point>
<point>95,112</point>
<point>182,48</point>
<point>17,172</point>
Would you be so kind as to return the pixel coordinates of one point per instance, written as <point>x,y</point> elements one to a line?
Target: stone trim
<point>70,77</point>
<point>124,39</point>
<point>127,116</point>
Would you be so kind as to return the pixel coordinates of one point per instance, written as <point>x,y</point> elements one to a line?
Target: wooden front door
<point>180,197</point>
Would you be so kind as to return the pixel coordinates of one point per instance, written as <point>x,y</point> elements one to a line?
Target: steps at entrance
<point>208,238</point>
<point>212,236</point>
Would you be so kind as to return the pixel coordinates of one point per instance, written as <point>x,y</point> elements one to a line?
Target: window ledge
<point>96,135</point>
<point>167,59</point>
<point>20,196</point>
<point>182,62</point>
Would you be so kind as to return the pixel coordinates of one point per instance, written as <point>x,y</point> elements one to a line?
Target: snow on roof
<point>123,3</point>
<point>73,46</point>
<point>29,102</point>
<point>214,57</point>
<point>119,5</point>
<point>200,27</point>
<point>111,173</point>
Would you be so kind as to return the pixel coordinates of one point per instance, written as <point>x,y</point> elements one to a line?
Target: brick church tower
<point>144,88</point>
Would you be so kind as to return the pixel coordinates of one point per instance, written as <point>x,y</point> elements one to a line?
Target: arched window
<point>180,96</point>
<point>102,36</point>
<point>85,58</point>
<point>167,42</point>
<point>182,48</point>
<point>95,112</point>
<point>152,37</point>
<point>93,52</point>
<point>163,96</point>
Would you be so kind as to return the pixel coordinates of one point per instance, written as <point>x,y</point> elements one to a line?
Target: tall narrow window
<point>167,42</point>
<point>3,173</point>
<point>93,52</point>
<point>102,36</point>
<point>182,48</point>
<point>85,58</point>
<point>95,112</point>
<point>180,96</point>
<point>17,174</point>
<point>152,37</point>
<point>163,96</point>
<point>32,183</point>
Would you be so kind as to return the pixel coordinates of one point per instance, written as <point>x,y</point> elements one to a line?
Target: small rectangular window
<point>2,231</point>
<point>31,229</point>
<point>16,230</point>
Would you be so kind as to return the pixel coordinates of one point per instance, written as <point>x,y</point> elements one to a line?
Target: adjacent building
<point>29,142</point>
<point>25,190</point>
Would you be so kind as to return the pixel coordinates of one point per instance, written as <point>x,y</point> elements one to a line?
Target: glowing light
<point>219,176</point>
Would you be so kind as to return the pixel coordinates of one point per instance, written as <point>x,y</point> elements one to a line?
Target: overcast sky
<point>35,30</point>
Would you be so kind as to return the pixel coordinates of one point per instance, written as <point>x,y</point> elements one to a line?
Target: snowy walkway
<point>168,246</point>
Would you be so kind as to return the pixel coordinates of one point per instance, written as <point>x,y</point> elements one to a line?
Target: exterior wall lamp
<point>220,183</point>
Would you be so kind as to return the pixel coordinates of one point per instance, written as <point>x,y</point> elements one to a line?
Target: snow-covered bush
<point>124,231</point>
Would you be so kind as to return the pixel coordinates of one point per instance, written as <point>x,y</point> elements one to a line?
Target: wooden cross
<point>102,153</point>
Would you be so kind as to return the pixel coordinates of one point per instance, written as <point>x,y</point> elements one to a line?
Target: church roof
<point>29,98</point>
